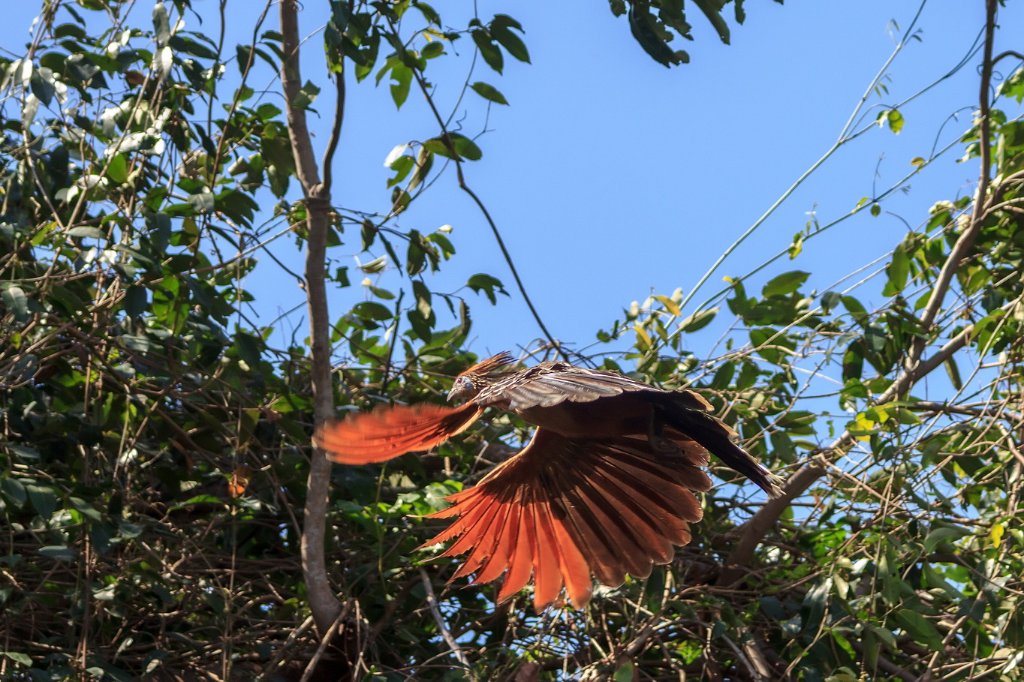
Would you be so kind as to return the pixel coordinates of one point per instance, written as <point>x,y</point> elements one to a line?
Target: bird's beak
<point>460,389</point>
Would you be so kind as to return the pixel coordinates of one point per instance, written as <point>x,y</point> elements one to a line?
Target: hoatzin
<point>605,487</point>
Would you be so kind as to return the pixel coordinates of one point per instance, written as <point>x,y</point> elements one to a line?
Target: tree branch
<point>339,117</point>
<point>446,634</point>
<point>323,602</point>
<point>966,240</point>
<point>753,531</point>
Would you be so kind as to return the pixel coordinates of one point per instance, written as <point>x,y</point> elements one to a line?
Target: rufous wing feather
<point>388,432</point>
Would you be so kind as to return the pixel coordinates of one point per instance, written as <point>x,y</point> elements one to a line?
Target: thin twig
<point>339,117</point>
<point>464,186</point>
<point>442,626</point>
<point>293,637</point>
<point>970,234</point>
<point>337,626</point>
<point>754,530</point>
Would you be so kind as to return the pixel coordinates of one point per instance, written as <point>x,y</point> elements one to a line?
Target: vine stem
<point>464,186</point>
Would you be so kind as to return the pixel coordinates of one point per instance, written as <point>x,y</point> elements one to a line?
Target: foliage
<point>655,24</point>
<point>156,438</point>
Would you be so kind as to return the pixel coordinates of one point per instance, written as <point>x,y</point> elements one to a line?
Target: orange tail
<point>564,509</point>
<point>389,432</point>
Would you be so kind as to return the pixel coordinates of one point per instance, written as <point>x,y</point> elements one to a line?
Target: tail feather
<point>389,432</point>
<point>717,438</point>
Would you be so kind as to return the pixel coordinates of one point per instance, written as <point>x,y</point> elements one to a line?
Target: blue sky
<point>612,177</point>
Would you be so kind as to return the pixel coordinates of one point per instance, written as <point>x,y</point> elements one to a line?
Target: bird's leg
<point>657,441</point>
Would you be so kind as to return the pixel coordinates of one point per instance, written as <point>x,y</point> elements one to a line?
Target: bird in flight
<point>604,488</point>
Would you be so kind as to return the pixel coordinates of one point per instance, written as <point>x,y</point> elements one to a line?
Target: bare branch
<point>464,186</point>
<point>446,634</point>
<point>754,530</point>
<point>966,240</point>
<point>337,626</point>
<point>322,601</point>
<point>332,144</point>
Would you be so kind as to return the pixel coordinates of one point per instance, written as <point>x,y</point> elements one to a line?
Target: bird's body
<point>605,487</point>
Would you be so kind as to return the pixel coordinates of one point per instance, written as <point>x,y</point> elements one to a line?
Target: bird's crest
<point>490,365</point>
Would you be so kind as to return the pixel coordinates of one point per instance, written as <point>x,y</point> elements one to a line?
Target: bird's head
<point>468,384</point>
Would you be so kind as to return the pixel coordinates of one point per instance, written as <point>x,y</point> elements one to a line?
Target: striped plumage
<point>605,487</point>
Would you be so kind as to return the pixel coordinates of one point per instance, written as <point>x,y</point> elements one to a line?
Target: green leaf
<point>895,120</point>
<point>712,10</point>
<point>941,535</point>
<point>489,92</point>
<point>58,552</point>
<point>652,36</point>
<point>43,499</point>
<point>488,49</point>
<point>306,96</point>
<point>401,78</point>
<point>117,168</point>
<point>855,308</point>
<point>954,373</point>
<point>420,325</point>
<point>16,301</point>
<point>368,233</point>
<point>20,658</point>
<point>423,299</point>
<point>432,50</point>
<point>698,320</point>
<point>86,509</point>
<point>784,284</point>
<point>919,628</point>
<point>513,44</point>
<point>814,603</point>
<point>371,310</point>
<point>465,147</point>
<point>488,284</point>
<point>135,301</point>
<point>186,45</point>
<point>13,490</point>
<point>197,500</point>
<point>898,270</point>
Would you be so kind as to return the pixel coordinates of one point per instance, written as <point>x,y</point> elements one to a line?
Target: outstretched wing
<point>578,401</point>
<point>563,509</point>
<point>392,431</point>
<point>551,383</point>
